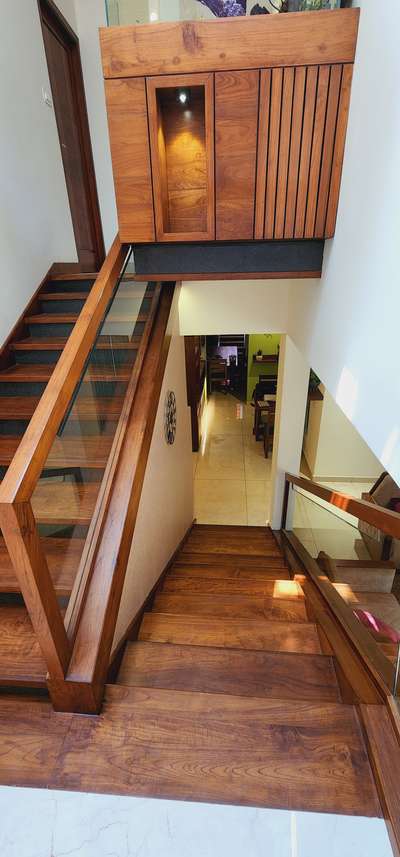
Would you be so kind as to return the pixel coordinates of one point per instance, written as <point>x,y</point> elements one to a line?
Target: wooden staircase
<point>229,693</point>
<point>63,506</point>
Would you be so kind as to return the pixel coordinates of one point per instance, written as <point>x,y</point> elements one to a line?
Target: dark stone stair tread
<point>298,755</point>
<point>232,606</point>
<point>71,318</point>
<point>241,673</point>
<point>21,661</point>
<point>230,633</point>
<point>63,556</point>
<point>86,451</point>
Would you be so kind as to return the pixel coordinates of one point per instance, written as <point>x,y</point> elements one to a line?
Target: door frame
<point>51,17</point>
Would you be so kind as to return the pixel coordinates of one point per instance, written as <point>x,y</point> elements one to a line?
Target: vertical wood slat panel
<point>327,154</point>
<point>305,154</point>
<point>130,151</point>
<point>273,151</point>
<point>284,149</point>
<point>295,146</point>
<point>262,151</point>
<point>338,152</point>
<point>236,121</point>
<point>316,151</point>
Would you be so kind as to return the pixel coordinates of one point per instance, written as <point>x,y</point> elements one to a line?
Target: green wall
<point>268,342</point>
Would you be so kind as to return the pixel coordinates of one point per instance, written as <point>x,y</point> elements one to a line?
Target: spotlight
<point>183,97</point>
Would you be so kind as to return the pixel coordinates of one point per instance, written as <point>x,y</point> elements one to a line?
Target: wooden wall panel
<point>303,117</point>
<point>130,151</point>
<point>236,122</point>
<point>269,41</point>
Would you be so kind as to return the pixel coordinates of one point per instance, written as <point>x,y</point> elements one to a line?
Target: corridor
<point>232,478</point>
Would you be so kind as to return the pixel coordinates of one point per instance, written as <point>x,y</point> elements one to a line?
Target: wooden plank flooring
<point>233,671</point>
<point>231,633</point>
<point>62,556</point>
<point>21,661</point>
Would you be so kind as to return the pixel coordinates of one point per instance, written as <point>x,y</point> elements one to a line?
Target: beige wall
<point>234,306</point>
<point>333,447</point>
<point>166,505</point>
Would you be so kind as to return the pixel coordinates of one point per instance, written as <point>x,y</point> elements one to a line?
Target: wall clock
<point>170,417</point>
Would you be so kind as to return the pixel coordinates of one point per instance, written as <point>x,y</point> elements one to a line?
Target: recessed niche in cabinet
<point>182,151</point>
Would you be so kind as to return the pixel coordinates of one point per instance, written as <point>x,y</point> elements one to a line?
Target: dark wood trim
<point>51,16</point>
<point>20,329</point>
<point>327,36</point>
<point>133,627</point>
<point>94,619</point>
<point>383,519</point>
<point>249,275</point>
<point>384,754</point>
<point>379,668</point>
<point>25,469</point>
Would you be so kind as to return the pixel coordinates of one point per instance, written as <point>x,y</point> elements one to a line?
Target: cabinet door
<point>130,153</point>
<point>302,129</point>
<point>236,121</point>
<point>181,122</point>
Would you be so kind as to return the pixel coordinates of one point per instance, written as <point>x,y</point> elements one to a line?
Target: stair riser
<point>57,307</point>
<point>53,286</point>
<point>100,357</point>
<point>13,427</point>
<point>106,389</point>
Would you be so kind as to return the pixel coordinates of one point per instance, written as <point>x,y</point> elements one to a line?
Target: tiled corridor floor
<point>231,474</point>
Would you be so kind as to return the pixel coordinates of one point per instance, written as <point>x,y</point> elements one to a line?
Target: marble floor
<point>231,475</point>
<point>46,823</point>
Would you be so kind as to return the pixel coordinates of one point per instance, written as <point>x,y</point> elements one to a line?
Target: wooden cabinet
<point>226,146</point>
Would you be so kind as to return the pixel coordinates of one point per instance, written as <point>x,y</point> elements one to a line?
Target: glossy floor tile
<point>231,474</point>
<point>46,823</point>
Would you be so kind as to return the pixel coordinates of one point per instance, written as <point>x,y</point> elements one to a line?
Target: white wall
<point>166,505</point>
<point>333,447</point>
<point>35,220</point>
<point>291,401</point>
<point>90,15</point>
<point>349,326</point>
<point>234,306</point>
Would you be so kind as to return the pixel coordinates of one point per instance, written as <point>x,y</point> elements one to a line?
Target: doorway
<point>66,79</point>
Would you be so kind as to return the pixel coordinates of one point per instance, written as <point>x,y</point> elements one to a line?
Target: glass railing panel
<point>66,493</point>
<point>360,561</point>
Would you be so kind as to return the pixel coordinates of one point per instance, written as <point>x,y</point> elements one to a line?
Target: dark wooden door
<point>63,60</point>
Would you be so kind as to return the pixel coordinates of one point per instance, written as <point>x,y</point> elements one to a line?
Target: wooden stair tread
<point>179,583</point>
<point>241,673</point>
<point>43,372</point>
<point>230,560</point>
<point>23,407</point>
<point>21,661</point>
<point>63,556</point>
<point>259,752</point>
<point>229,572</point>
<point>64,502</point>
<point>233,606</point>
<point>57,344</point>
<point>64,296</point>
<point>86,451</point>
<point>232,547</point>
<point>230,633</point>
<point>72,317</point>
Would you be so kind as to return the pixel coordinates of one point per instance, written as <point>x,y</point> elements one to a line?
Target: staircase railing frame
<point>17,520</point>
<point>380,669</point>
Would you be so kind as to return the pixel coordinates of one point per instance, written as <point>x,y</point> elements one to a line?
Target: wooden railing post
<point>23,543</point>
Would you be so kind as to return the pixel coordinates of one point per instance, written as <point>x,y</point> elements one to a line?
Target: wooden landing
<point>63,556</point>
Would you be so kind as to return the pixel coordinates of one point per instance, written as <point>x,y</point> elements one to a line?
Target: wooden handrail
<point>91,621</point>
<point>383,519</point>
<point>24,471</point>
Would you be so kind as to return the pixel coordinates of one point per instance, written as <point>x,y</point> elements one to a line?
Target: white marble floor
<point>45,823</point>
<point>231,474</point>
